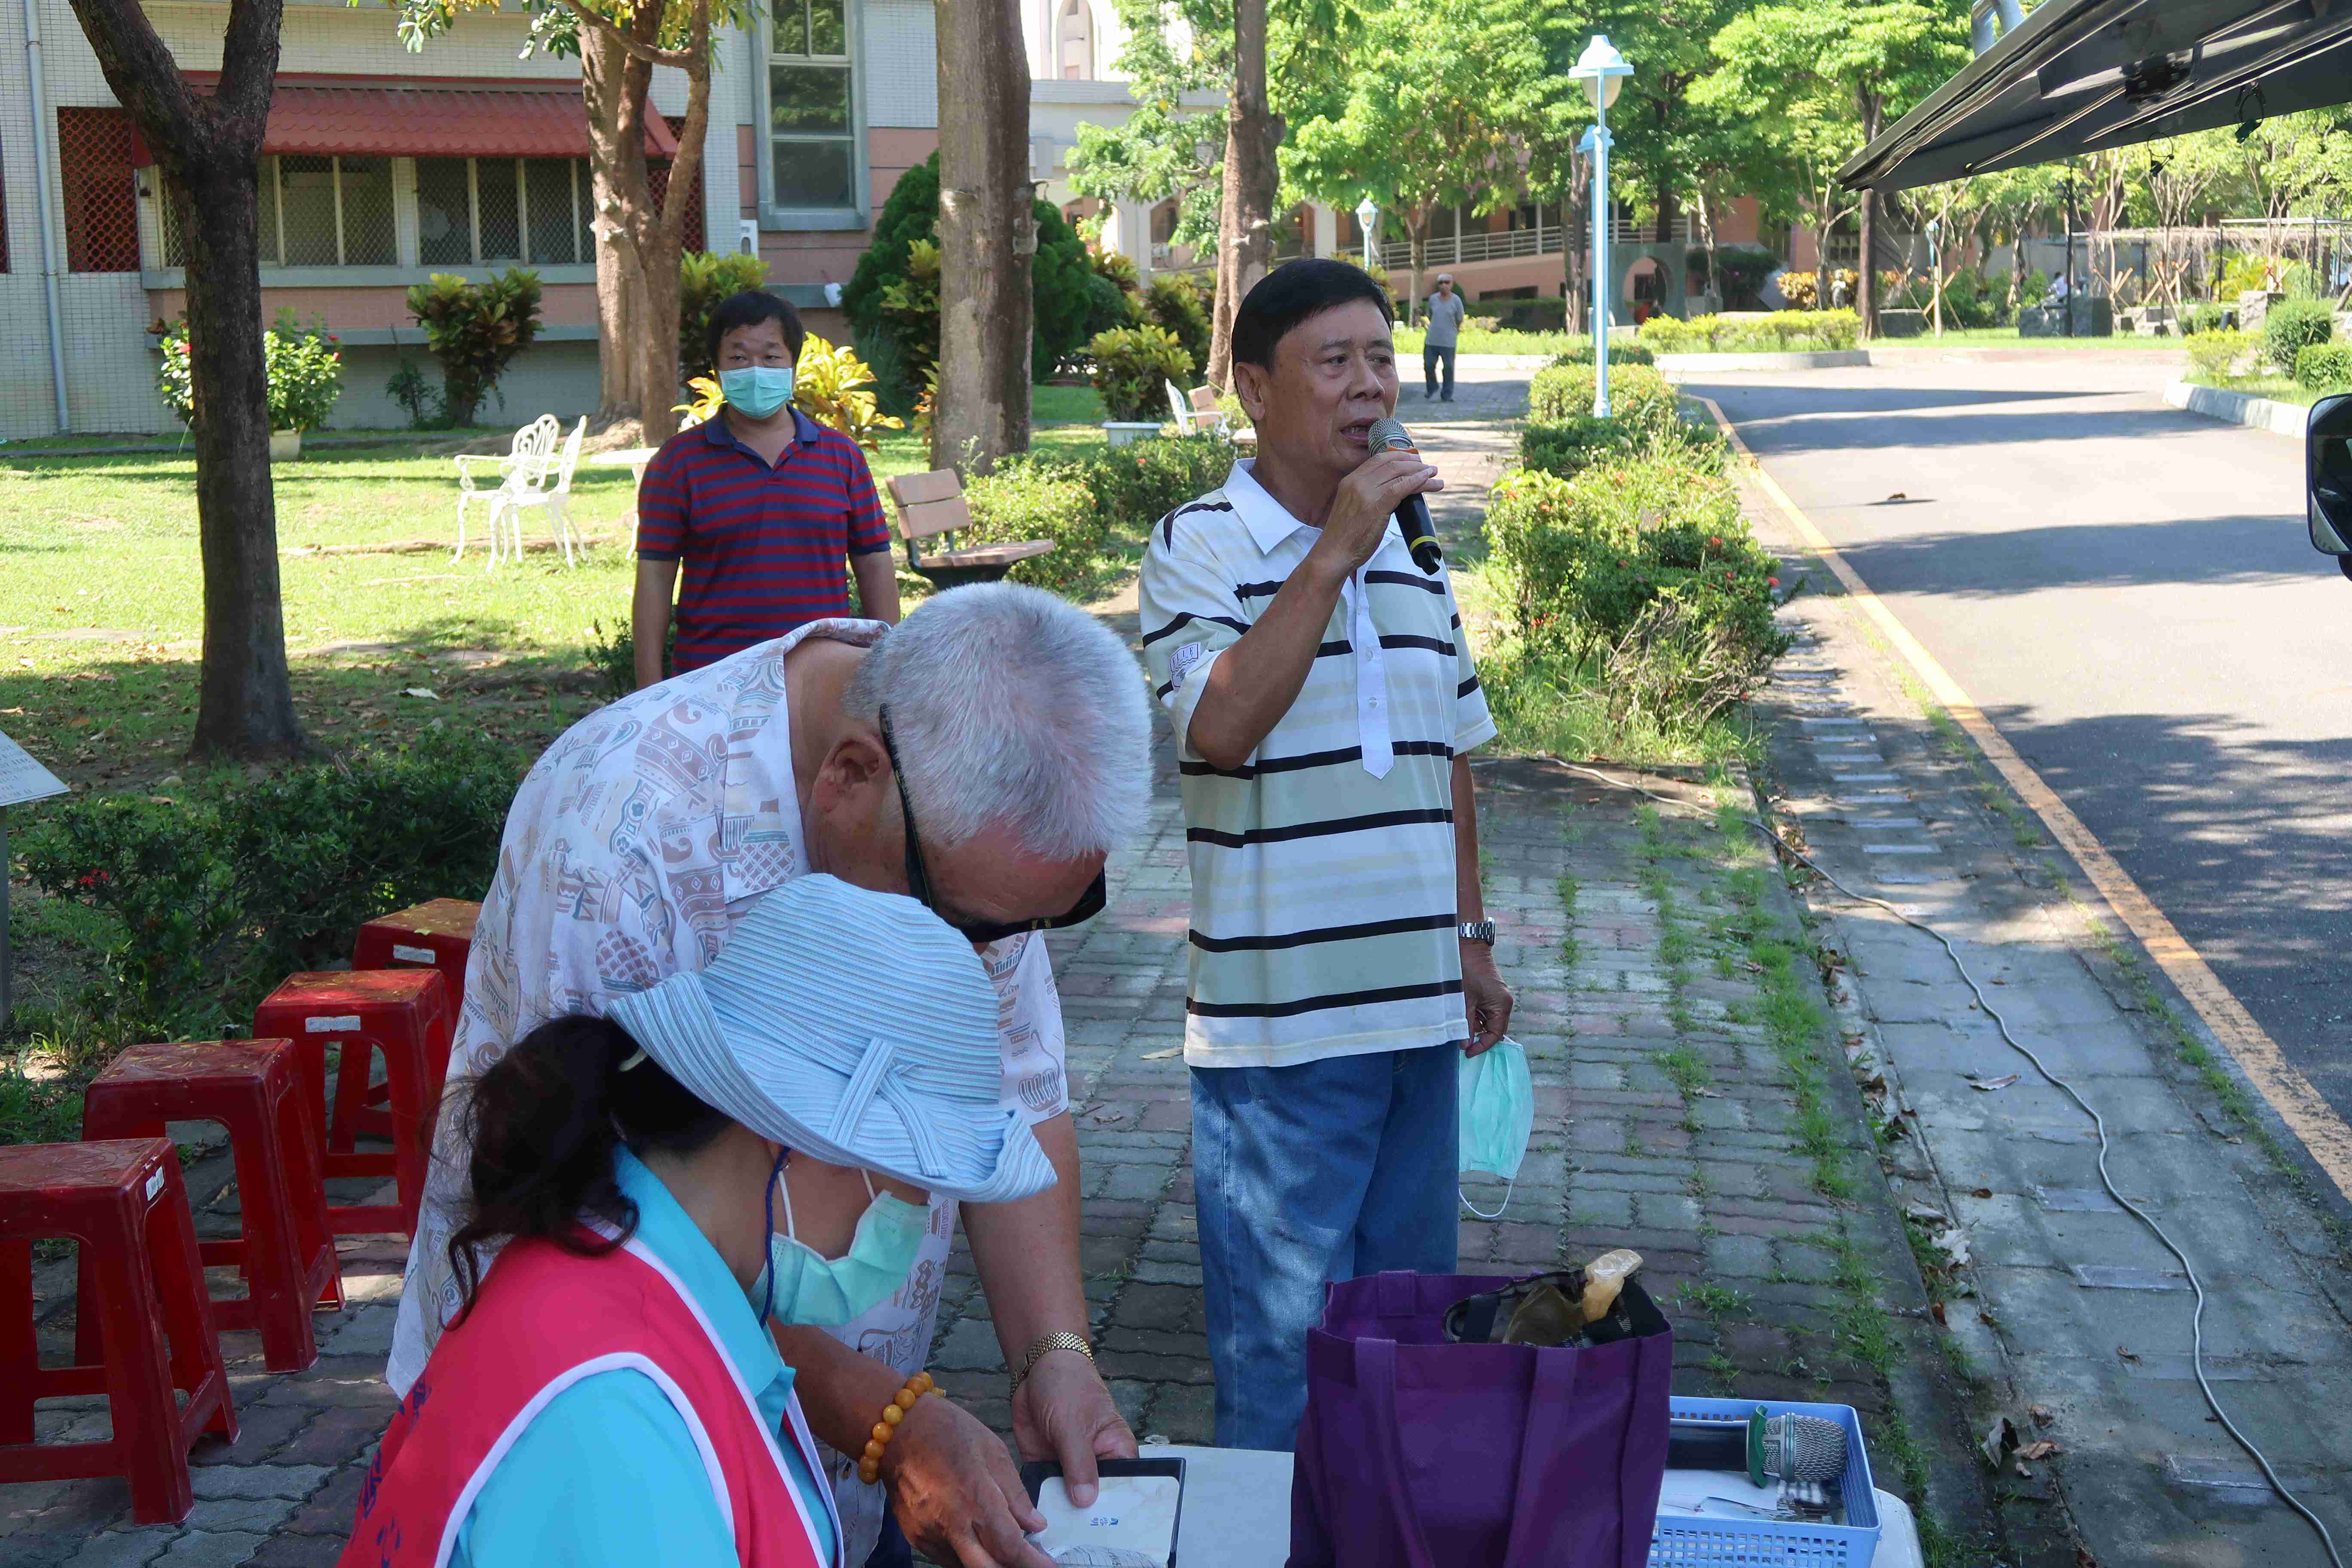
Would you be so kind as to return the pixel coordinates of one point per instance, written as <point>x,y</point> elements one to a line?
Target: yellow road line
<point>2298,1104</point>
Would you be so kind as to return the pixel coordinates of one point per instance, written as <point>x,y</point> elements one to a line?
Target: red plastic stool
<point>122,1201</point>
<point>286,1252</point>
<point>437,934</point>
<point>404,1014</point>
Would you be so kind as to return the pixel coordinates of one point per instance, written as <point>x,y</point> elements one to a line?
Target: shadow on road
<point>2246,845</point>
<point>1992,563</point>
<point>1762,402</point>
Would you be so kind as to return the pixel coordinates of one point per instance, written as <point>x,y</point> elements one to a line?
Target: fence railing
<point>1507,245</point>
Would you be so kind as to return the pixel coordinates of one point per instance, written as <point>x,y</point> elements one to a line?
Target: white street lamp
<point>1603,71</point>
<point>1368,213</point>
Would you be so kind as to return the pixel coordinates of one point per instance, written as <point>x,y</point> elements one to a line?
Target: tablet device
<point>1132,1524</point>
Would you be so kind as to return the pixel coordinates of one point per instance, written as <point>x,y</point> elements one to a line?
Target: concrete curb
<point>2237,408</point>
<point>1818,359</point>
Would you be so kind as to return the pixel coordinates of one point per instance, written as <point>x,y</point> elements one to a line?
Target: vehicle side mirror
<point>2328,478</point>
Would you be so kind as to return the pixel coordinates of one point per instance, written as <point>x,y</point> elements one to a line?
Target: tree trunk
<point>209,150</point>
<point>1416,229</point>
<point>1253,180</point>
<point>601,60</point>
<point>663,241</point>
<point>988,236</point>
<point>1575,281</point>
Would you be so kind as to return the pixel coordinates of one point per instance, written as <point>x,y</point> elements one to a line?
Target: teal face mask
<point>758,390</point>
<point>1498,1114</point>
<point>800,1287</point>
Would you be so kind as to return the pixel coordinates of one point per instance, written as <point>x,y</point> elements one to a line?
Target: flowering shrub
<point>305,366</point>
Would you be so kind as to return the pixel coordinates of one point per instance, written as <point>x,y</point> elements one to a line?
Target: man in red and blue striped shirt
<point>761,504</point>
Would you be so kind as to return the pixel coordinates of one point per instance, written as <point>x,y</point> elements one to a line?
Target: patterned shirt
<point>765,548</point>
<point>1323,867</point>
<point>634,845</point>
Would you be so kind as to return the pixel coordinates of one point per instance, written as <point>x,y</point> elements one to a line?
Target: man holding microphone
<point>1324,702</point>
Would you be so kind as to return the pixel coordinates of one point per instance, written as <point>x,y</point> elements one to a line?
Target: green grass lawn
<point>101,606</point>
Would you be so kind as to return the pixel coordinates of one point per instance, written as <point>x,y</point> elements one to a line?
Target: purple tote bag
<point>1415,1453</point>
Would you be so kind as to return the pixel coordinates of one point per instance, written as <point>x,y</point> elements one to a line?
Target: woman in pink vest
<point>733,1147</point>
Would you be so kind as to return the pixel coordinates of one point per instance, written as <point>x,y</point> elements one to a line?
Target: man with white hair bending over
<point>984,757</point>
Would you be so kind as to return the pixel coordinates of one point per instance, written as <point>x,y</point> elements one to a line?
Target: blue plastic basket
<point>1690,1540</point>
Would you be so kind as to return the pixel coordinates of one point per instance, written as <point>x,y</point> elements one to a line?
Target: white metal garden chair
<point>551,493</point>
<point>525,464</point>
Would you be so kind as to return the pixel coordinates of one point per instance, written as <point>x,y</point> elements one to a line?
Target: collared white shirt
<point>634,845</point>
<point>1323,880</point>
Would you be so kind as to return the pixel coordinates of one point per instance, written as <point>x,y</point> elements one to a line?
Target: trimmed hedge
<point>1644,565</point>
<point>1621,352</point>
<point>1783,331</point>
<point>2293,325</point>
<point>220,897</point>
<point>1639,397</point>
<point>2325,367</point>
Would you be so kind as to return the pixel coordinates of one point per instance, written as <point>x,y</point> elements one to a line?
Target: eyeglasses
<point>919,881</point>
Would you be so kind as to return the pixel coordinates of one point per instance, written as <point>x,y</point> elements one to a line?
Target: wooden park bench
<point>931,506</point>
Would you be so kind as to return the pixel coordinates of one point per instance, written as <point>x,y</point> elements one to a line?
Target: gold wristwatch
<point>1047,1344</point>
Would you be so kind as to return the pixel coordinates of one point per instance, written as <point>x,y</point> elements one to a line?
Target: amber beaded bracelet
<point>869,1465</point>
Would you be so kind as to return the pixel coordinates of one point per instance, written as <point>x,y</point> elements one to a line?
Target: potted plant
<point>1133,368</point>
<point>306,377</point>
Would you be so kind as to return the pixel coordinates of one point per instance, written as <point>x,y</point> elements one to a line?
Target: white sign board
<point>22,778</point>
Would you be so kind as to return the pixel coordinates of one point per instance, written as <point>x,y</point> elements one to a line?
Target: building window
<point>488,212</point>
<point>811,121</point>
<point>1076,41</point>
<point>1163,223</point>
<point>99,191</point>
<point>315,211</point>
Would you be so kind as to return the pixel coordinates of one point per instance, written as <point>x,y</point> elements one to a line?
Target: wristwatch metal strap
<point>1046,1345</point>
<point>1478,931</point>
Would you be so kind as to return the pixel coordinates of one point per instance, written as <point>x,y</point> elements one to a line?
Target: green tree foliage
<point>1443,96</point>
<point>1168,148</point>
<point>1828,75</point>
<point>1062,284</point>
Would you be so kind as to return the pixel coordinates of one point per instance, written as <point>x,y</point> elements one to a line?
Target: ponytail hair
<point>544,1121</point>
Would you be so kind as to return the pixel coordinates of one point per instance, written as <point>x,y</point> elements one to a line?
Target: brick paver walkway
<point>1678,1113</point>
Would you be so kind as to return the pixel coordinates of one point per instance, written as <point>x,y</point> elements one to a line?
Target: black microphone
<point>1412,513</point>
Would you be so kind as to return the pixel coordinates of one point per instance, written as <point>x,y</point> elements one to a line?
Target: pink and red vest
<point>545,1319</point>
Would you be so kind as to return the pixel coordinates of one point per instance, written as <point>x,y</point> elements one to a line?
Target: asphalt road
<point>2126,590</point>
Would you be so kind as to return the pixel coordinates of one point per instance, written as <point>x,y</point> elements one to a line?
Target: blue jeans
<point>1307,1174</point>
<point>1430,354</point>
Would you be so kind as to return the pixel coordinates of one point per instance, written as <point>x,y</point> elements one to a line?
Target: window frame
<point>760,49</point>
<point>407,265</point>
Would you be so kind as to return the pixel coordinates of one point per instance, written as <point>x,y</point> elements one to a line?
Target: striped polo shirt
<point>1323,889</point>
<point>765,549</point>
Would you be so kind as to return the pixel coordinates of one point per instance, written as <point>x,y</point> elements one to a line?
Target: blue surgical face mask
<point>1498,1114</point>
<point>800,1287</point>
<point>757,390</point>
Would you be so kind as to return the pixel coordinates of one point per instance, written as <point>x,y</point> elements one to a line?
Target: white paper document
<point>1132,1523</point>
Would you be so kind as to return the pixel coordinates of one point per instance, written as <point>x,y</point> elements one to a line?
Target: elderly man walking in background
<point>1441,335</point>
<point>984,757</point>
<point>1324,700</point>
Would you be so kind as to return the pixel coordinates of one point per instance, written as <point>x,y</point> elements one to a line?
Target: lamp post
<point>1368,213</point>
<point>1603,71</point>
